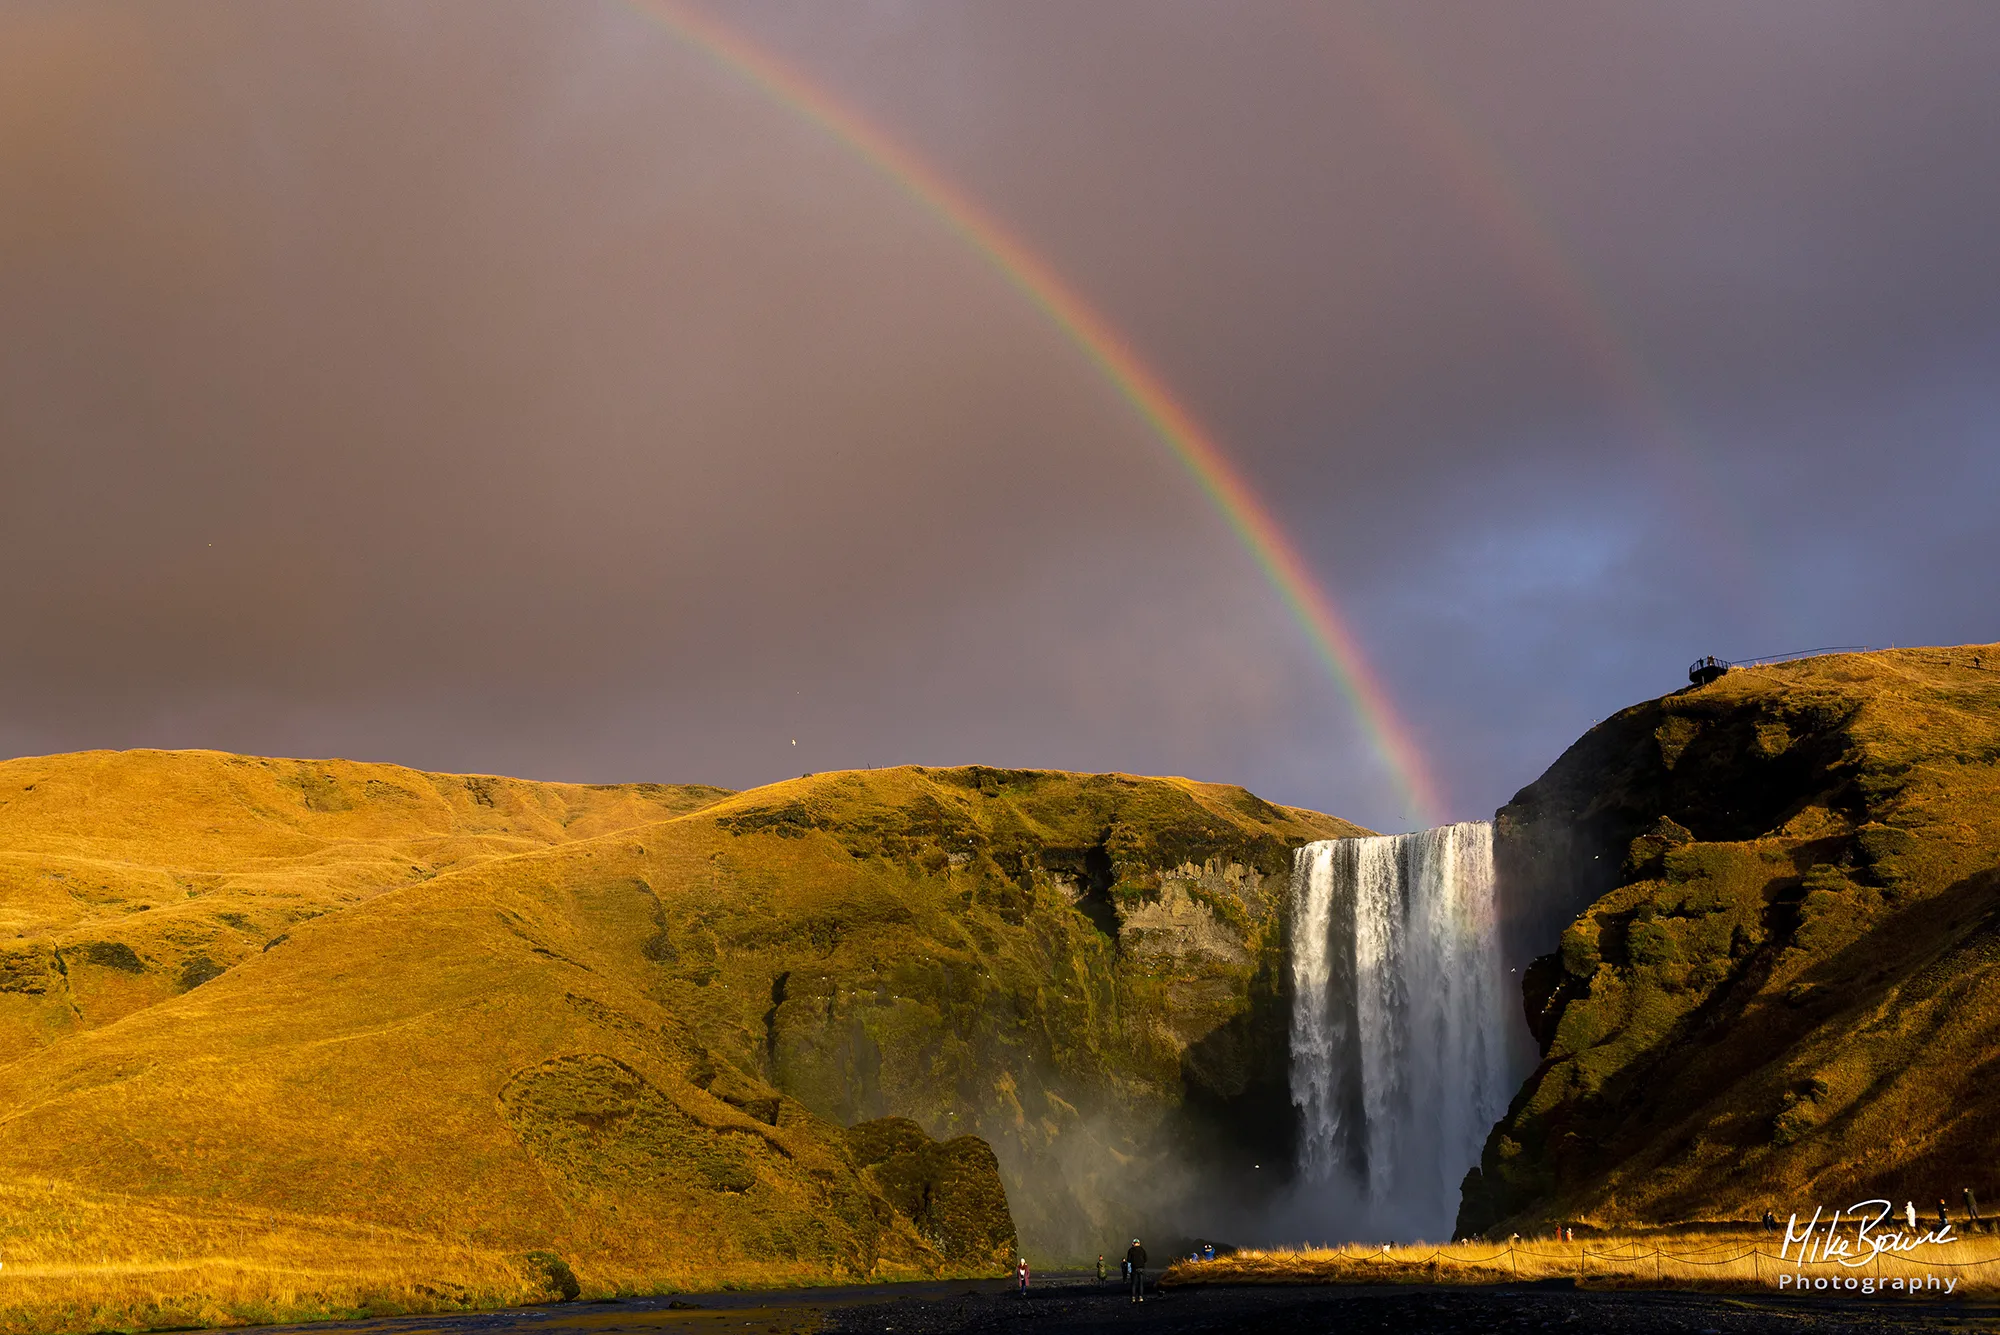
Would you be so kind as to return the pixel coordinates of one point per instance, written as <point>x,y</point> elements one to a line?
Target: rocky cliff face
<point>1085,971</point>
<point>1781,982</point>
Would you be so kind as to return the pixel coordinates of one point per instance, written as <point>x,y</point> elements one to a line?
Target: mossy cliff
<point>1085,971</point>
<point>852,1025</point>
<point>1781,985</point>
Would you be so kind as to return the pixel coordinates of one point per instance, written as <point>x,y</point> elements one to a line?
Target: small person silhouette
<point>1135,1270</point>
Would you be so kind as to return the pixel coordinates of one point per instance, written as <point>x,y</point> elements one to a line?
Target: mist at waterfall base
<point>1403,1044</point>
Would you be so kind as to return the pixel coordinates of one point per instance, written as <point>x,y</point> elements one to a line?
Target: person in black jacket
<point>1135,1264</point>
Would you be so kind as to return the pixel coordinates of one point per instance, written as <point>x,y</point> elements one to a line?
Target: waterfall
<point>1400,1056</point>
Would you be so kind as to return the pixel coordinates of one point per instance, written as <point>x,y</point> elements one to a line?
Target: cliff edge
<point>1781,987</point>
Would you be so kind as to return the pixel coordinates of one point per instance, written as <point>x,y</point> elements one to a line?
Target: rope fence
<point>1613,1263</point>
<point>1768,660</point>
<point>1682,1258</point>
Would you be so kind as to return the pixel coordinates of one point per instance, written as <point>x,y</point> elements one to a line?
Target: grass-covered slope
<point>127,878</point>
<point>1084,970</point>
<point>288,1036</point>
<point>1785,987</point>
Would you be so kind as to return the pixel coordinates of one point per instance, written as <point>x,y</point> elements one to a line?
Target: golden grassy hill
<point>1784,988</point>
<point>288,1037</point>
<point>152,871</point>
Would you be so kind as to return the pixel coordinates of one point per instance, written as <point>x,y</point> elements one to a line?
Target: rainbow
<point>1274,553</point>
<point>1491,190</point>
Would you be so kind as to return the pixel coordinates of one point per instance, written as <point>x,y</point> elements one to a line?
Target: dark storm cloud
<point>512,388</point>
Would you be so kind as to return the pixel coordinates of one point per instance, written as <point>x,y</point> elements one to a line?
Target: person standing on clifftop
<point>1910,1214</point>
<point>1135,1265</point>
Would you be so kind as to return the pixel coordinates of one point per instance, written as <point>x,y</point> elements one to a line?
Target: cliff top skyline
<point>629,392</point>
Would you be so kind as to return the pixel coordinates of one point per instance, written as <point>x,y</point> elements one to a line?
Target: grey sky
<point>509,387</point>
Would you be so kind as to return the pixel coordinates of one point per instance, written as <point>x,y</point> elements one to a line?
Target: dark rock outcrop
<point>951,1191</point>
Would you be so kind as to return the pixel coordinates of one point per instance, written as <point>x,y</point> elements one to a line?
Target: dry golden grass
<point>192,862</point>
<point>78,1261</point>
<point>1790,989</point>
<point>1742,1261</point>
<point>327,1122</point>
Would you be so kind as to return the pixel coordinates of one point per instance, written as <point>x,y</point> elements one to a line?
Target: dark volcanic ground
<point>1064,1304</point>
<point>1063,1307</point>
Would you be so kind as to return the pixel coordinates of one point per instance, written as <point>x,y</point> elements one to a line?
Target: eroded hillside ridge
<point>129,878</point>
<point>645,1029</point>
<point>1084,970</point>
<point>1782,982</point>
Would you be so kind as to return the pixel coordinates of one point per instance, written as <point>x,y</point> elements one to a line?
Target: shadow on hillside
<point>1941,936</point>
<point>1238,1126</point>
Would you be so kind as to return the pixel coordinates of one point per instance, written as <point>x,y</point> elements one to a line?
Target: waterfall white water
<point>1400,1056</point>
